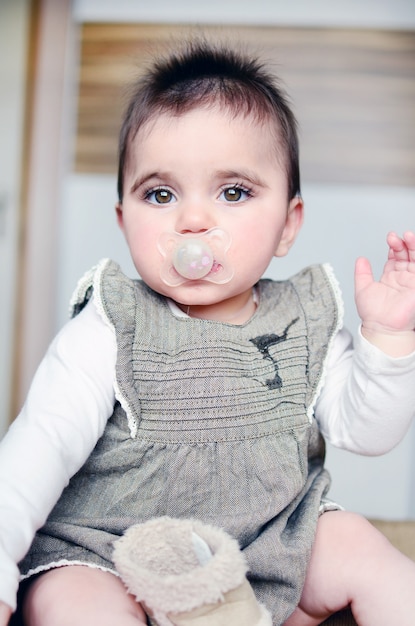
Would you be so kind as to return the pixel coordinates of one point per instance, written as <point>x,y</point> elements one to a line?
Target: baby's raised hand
<point>387,306</point>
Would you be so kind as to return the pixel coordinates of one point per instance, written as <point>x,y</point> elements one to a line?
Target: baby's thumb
<point>363,275</point>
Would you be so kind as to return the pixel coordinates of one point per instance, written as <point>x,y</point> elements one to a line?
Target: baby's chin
<point>197,293</point>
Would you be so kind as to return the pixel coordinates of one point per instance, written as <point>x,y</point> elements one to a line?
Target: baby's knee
<point>80,595</point>
<point>353,539</point>
<point>39,600</point>
<point>347,552</point>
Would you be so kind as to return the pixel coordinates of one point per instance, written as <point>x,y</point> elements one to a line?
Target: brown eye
<point>233,194</point>
<point>236,193</point>
<point>162,196</point>
<point>159,196</point>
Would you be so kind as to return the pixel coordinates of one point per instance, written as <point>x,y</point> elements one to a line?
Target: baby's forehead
<point>167,119</point>
<point>200,131</point>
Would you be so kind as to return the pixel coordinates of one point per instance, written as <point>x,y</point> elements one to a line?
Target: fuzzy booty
<point>186,573</point>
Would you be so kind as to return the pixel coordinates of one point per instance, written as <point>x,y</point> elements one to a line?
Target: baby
<point>202,393</point>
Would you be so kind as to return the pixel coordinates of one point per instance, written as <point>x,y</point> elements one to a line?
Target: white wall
<point>13,43</point>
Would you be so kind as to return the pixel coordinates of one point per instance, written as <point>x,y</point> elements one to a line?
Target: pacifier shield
<point>196,256</point>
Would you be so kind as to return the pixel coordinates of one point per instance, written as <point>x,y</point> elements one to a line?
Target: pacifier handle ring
<point>193,259</point>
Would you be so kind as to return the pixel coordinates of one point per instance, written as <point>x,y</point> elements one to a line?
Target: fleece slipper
<point>187,573</point>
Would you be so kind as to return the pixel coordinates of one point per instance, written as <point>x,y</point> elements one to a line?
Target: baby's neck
<point>233,311</point>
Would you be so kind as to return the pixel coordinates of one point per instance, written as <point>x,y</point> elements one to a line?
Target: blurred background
<point>349,67</point>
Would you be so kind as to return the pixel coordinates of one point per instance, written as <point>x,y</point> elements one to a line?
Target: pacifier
<point>198,256</point>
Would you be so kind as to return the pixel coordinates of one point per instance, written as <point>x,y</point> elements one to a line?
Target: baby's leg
<point>77,595</point>
<point>353,564</point>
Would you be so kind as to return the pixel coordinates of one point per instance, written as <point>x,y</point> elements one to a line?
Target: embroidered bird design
<point>264,343</point>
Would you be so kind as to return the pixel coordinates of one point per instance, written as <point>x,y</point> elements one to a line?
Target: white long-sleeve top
<point>366,406</point>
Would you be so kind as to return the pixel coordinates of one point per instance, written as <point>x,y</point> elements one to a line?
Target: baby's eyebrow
<point>241,174</point>
<point>150,176</point>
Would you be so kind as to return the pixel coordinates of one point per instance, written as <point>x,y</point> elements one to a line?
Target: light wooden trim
<point>18,345</point>
<point>353,93</point>
<point>41,190</point>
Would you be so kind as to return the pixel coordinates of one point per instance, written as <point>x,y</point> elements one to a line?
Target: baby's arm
<point>65,413</point>
<point>368,400</point>
<point>387,307</point>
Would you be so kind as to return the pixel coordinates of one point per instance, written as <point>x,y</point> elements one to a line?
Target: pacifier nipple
<point>199,256</point>
<point>193,259</point>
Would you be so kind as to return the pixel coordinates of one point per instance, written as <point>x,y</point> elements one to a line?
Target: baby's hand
<point>5,613</point>
<point>387,307</point>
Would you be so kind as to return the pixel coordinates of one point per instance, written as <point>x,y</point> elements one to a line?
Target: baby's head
<point>208,178</point>
<point>204,75</point>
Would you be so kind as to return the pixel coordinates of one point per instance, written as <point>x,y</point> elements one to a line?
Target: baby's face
<point>200,171</point>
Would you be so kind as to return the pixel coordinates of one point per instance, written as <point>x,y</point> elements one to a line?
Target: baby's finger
<point>409,239</point>
<point>397,247</point>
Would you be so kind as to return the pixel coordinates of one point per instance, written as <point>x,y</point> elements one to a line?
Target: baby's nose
<point>195,218</point>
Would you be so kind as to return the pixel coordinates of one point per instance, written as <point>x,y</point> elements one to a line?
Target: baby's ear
<point>295,216</point>
<point>120,216</point>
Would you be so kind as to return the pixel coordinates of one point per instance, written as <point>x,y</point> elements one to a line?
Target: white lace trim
<point>94,278</point>
<point>65,563</point>
<point>132,421</point>
<point>340,317</point>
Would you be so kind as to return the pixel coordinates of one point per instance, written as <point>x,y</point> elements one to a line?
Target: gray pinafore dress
<point>212,421</point>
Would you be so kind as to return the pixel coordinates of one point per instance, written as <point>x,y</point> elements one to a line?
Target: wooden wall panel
<point>353,92</point>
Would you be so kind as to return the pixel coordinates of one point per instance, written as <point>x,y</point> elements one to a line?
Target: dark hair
<point>202,75</point>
